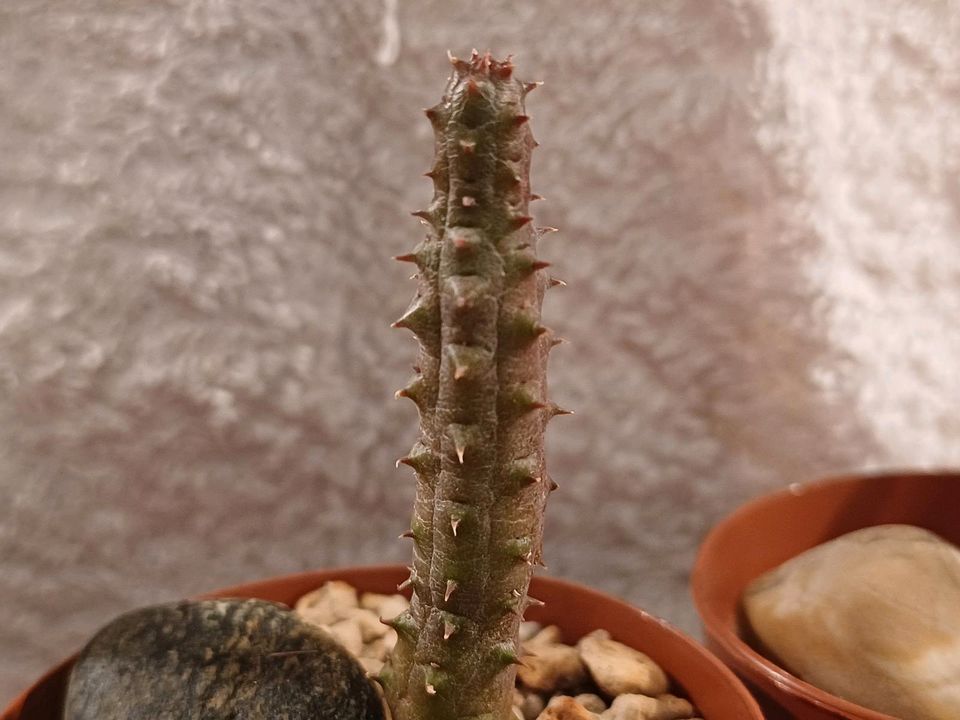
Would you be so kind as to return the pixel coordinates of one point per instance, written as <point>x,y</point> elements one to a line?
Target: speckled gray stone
<point>213,659</point>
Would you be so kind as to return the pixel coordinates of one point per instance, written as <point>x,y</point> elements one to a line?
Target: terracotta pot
<point>767,532</point>
<point>701,677</point>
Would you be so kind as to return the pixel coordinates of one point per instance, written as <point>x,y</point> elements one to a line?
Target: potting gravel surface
<point>596,679</point>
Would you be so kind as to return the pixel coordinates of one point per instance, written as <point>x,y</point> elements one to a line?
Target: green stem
<point>481,391</point>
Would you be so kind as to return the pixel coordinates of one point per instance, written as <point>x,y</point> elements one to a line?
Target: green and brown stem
<point>481,391</point>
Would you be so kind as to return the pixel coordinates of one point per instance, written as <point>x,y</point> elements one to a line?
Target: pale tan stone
<point>532,705</point>
<point>549,635</point>
<point>564,707</point>
<point>384,606</point>
<point>328,604</point>
<point>347,633</point>
<point>529,628</point>
<point>372,665</point>
<point>376,648</point>
<point>643,707</point>
<point>873,616</point>
<point>552,668</point>
<point>618,669</point>
<point>592,702</point>
<point>672,707</point>
<point>369,623</point>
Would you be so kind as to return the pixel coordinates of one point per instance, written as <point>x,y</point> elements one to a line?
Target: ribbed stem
<point>481,390</point>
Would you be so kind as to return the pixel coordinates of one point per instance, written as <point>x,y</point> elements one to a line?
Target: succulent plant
<point>480,387</point>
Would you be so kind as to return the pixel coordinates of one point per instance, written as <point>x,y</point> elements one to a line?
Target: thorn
<point>452,58</point>
<point>519,120</point>
<point>425,215</point>
<point>433,116</point>
<point>540,264</point>
<point>468,201</point>
<point>519,221</point>
<point>431,173</point>
<point>409,533</point>
<point>468,146</point>
<point>460,371</point>
<point>419,317</point>
<point>459,435</point>
<point>556,282</point>
<point>538,479</point>
<point>557,410</point>
<point>505,655</point>
<point>535,196</point>
<point>430,689</point>
<point>420,458</point>
<point>454,524</point>
<point>546,230</point>
<point>448,629</point>
<point>553,485</point>
<point>451,588</point>
<point>533,602</point>
<point>519,548</point>
<point>531,86</point>
<point>405,584</point>
<point>403,623</point>
<point>516,593</point>
<point>413,390</point>
<point>520,399</point>
<point>557,340</point>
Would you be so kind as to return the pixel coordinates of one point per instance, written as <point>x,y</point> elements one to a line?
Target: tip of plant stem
<point>483,64</point>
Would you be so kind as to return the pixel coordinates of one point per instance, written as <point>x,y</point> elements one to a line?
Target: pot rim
<point>748,706</point>
<point>736,651</point>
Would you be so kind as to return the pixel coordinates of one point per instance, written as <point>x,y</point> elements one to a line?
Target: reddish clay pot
<point>769,531</point>
<point>577,609</point>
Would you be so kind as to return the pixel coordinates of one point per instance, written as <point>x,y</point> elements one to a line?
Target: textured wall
<point>759,205</point>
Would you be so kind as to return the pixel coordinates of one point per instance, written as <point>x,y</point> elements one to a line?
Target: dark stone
<point>217,659</point>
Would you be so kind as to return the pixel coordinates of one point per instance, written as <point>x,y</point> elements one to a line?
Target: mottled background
<point>198,200</point>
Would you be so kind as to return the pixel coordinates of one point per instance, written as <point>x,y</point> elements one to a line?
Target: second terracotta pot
<point>773,529</point>
<point>716,692</point>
